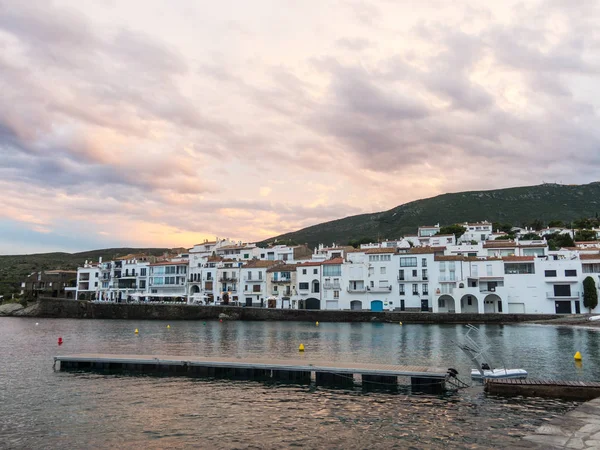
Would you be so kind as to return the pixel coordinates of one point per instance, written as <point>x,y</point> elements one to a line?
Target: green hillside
<point>14,268</point>
<point>517,206</point>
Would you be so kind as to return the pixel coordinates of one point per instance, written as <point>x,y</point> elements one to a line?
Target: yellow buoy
<point>400,323</point>
<point>301,348</point>
<point>168,326</point>
<point>577,356</point>
<point>136,331</point>
<point>317,323</point>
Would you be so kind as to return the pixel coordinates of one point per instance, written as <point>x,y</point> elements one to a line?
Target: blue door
<point>376,306</point>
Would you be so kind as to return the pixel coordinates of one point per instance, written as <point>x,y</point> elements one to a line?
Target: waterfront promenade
<point>75,309</point>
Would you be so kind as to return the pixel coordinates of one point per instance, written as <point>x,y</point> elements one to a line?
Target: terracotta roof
<point>379,250</point>
<point>170,263</point>
<point>283,268</point>
<point>334,261</point>
<point>589,256</point>
<point>518,258</point>
<point>261,264</point>
<point>499,244</point>
<point>441,235</point>
<point>310,263</point>
<point>534,246</point>
<point>423,250</point>
<point>214,259</point>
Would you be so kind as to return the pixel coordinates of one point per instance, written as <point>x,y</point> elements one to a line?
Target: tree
<point>590,294</point>
<point>506,227</point>
<point>585,235</point>
<point>559,240</point>
<point>356,243</point>
<point>556,223</point>
<point>456,230</point>
<point>530,237</point>
<point>536,224</point>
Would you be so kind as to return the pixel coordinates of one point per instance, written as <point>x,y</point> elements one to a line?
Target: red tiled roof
<point>499,244</point>
<point>334,261</point>
<point>589,256</point>
<point>518,258</point>
<point>261,264</point>
<point>170,263</point>
<point>424,250</point>
<point>283,268</point>
<point>380,250</point>
<point>310,263</point>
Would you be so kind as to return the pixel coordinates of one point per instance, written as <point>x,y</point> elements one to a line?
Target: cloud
<point>179,128</point>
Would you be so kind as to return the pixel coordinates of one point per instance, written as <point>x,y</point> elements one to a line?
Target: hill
<point>14,268</point>
<point>516,206</point>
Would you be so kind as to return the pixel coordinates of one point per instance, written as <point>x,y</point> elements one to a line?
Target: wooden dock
<point>298,371</point>
<point>568,390</point>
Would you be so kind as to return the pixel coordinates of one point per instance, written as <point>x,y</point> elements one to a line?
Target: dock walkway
<point>572,390</point>
<point>300,370</point>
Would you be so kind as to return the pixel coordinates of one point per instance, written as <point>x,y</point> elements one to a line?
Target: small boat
<point>485,369</point>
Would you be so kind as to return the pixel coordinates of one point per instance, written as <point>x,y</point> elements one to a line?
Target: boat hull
<point>498,373</point>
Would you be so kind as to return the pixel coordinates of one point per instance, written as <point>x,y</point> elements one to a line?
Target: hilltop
<point>14,268</point>
<point>517,206</point>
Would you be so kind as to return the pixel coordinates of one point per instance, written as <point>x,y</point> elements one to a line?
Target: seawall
<point>74,309</point>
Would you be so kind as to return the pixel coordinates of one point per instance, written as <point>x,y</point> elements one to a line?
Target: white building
<point>477,232</point>
<point>88,281</point>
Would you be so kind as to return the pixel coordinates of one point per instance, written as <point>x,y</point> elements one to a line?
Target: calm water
<point>44,409</point>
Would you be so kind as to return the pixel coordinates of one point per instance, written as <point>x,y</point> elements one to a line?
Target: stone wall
<point>60,308</point>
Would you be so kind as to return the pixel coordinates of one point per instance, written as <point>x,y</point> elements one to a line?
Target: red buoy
<point>60,341</point>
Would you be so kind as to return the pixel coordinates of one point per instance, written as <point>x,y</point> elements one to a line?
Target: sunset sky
<point>155,123</point>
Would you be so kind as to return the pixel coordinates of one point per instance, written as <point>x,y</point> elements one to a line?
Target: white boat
<point>484,367</point>
<point>477,374</point>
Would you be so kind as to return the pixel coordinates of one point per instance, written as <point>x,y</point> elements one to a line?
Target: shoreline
<point>75,309</point>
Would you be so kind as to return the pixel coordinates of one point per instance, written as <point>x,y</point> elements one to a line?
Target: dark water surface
<point>41,408</point>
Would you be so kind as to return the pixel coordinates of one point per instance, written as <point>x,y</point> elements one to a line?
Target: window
<point>249,275</point>
<point>373,258</point>
<point>516,268</point>
<point>415,289</point>
<point>424,274</point>
<point>246,288</point>
<point>97,274</point>
<point>401,275</point>
<point>303,286</point>
<point>408,262</point>
<point>142,284</point>
<point>372,283</point>
<point>332,270</point>
<point>246,255</point>
<point>425,288</point>
<point>315,271</point>
<point>423,262</point>
<point>336,294</point>
<point>570,273</point>
<point>441,302</point>
<point>401,289</point>
<point>414,273</point>
<point>562,290</point>
<point>386,257</point>
<point>549,273</point>
<point>259,275</point>
<point>382,270</point>
<point>469,300</point>
<point>96,284</point>
<point>489,270</point>
<point>303,271</point>
<point>275,288</point>
<point>256,288</point>
<point>384,283</point>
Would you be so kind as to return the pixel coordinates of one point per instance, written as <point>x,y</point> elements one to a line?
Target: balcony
<point>253,292</point>
<point>553,296</point>
<point>253,280</point>
<point>227,280</point>
<point>331,286</point>
<point>356,289</point>
<point>379,289</point>
<point>129,275</point>
<point>447,278</point>
<point>281,280</point>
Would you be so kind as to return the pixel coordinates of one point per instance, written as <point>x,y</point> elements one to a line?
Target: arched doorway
<point>315,286</point>
<point>312,303</point>
<point>492,304</point>
<point>446,304</point>
<point>469,304</point>
<point>355,305</point>
<point>195,289</point>
<point>376,305</point>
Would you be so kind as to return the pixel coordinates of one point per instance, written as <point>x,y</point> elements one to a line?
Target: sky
<point>162,124</point>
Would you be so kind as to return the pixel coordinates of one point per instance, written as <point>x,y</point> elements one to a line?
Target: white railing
<point>552,295</point>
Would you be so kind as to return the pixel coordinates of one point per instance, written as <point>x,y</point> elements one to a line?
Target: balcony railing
<point>331,286</point>
<point>554,296</point>
<point>446,278</point>
<point>356,289</point>
<point>253,280</point>
<point>379,289</point>
<point>281,280</point>
<point>227,280</point>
